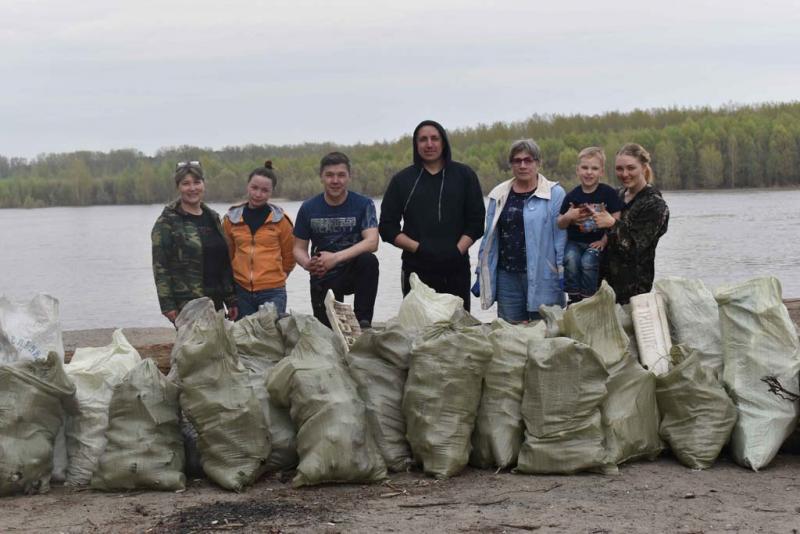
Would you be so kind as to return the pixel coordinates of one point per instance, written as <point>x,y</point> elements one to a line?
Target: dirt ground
<point>660,496</point>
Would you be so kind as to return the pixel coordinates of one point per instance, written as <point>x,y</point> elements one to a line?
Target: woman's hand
<point>603,219</point>
<point>600,244</point>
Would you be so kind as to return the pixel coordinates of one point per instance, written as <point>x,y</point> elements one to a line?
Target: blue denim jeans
<point>512,297</point>
<point>581,268</point>
<point>249,301</point>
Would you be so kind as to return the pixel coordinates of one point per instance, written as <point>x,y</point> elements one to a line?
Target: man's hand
<point>171,315</point>
<point>233,313</point>
<point>322,263</point>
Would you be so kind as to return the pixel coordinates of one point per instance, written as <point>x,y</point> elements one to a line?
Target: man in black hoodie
<point>440,203</point>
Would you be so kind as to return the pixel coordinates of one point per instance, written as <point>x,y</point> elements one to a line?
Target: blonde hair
<point>593,152</point>
<point>637,151</point>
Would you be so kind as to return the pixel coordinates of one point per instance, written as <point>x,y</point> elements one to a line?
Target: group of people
<point>541,245</point>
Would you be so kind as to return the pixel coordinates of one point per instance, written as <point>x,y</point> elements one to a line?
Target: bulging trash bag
<point>761,355</point>
<point>499,426</point>
<point>333,438</point>
<point>218,400</point>
<point>378,362</point>
<point>30,331</point>
<point>260,346</point>
<point>34,395</point>
<point>630,413</point>
<point>443,392</point>
<point>565,386</point>
<point>697,415</point>
<point>95,372</point>
<point>194,309</point>
<point>423,306</point>
<point>552,317</point>
<point>257,337</point>
<point>292,327</point>
<point>145,447</point>
<point>594,321</point>
<point>693,318</point>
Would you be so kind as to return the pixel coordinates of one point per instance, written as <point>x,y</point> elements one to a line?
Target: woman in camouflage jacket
<point>190,255</point>
<point>629,261</point>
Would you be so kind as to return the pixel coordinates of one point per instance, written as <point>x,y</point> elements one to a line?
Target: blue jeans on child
<point>512,297</point>
<point>249,301</point>
<point>581,268</point>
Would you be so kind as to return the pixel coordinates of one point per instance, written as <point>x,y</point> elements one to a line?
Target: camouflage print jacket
<point>629,260</point>
<point>178,260</point>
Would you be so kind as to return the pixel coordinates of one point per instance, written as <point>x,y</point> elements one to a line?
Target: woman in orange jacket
<point>260,244</point>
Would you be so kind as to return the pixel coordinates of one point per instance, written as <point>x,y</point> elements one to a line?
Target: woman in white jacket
<point>522,252</point>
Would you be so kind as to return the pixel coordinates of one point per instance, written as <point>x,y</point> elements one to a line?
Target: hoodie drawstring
<point>441,188</point>
<point>414,187</point>
<point>408,198</point>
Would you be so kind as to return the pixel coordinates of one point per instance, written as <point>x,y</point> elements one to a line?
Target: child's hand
<point>599,245</point>
<point>577,214</point>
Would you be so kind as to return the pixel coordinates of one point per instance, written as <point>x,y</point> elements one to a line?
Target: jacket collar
<point>236,213</point>
<point>544,189</point>
<point>175,206</point>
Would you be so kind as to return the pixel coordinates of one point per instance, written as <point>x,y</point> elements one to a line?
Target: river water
<point>96,260</point>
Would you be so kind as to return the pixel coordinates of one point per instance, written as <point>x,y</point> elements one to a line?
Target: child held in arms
<point>585,241</point>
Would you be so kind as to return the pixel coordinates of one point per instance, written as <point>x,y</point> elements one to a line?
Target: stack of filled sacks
<point>260,346</point>
<point>218,400</point>
<point>145,447</point>
<point>334,443</point>
<point>35,394</point>
<point>587,403</point>
<point>499,425</point>
<point>697,414</point>
<point>630,413</point>
<point>378,361</point>
<point>565,386</point>
<point>443,393</point>
<point>95,371</point>
<point>761,356</point>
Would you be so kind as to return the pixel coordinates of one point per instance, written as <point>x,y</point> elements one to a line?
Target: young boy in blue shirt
<point>585,242</point>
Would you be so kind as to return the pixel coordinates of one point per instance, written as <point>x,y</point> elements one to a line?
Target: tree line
<point>691,148</point>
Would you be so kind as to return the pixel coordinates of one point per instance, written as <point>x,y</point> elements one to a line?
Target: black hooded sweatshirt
<point>435,209</point>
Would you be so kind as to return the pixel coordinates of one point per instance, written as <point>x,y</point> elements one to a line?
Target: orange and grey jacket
<point>262,260</point>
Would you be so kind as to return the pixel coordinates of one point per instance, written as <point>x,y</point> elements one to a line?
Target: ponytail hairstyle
<point>637,151</point>
<point>265,171</point>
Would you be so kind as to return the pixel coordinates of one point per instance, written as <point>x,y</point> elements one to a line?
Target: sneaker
<point>364,324</point>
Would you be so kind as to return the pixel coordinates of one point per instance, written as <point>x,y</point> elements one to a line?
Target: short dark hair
<point>334,158</point>
<point>183,173</point>
<point>265,171</point>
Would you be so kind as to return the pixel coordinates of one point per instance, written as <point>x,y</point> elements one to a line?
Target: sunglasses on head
<point>187,165</point>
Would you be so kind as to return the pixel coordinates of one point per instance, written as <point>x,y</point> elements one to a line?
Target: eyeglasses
<point>519,161</point>
<point>187,164</point>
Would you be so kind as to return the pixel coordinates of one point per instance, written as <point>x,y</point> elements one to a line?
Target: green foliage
<point>744,146</point>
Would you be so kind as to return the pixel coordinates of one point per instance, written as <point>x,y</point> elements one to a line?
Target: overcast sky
<point>99,75</point>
